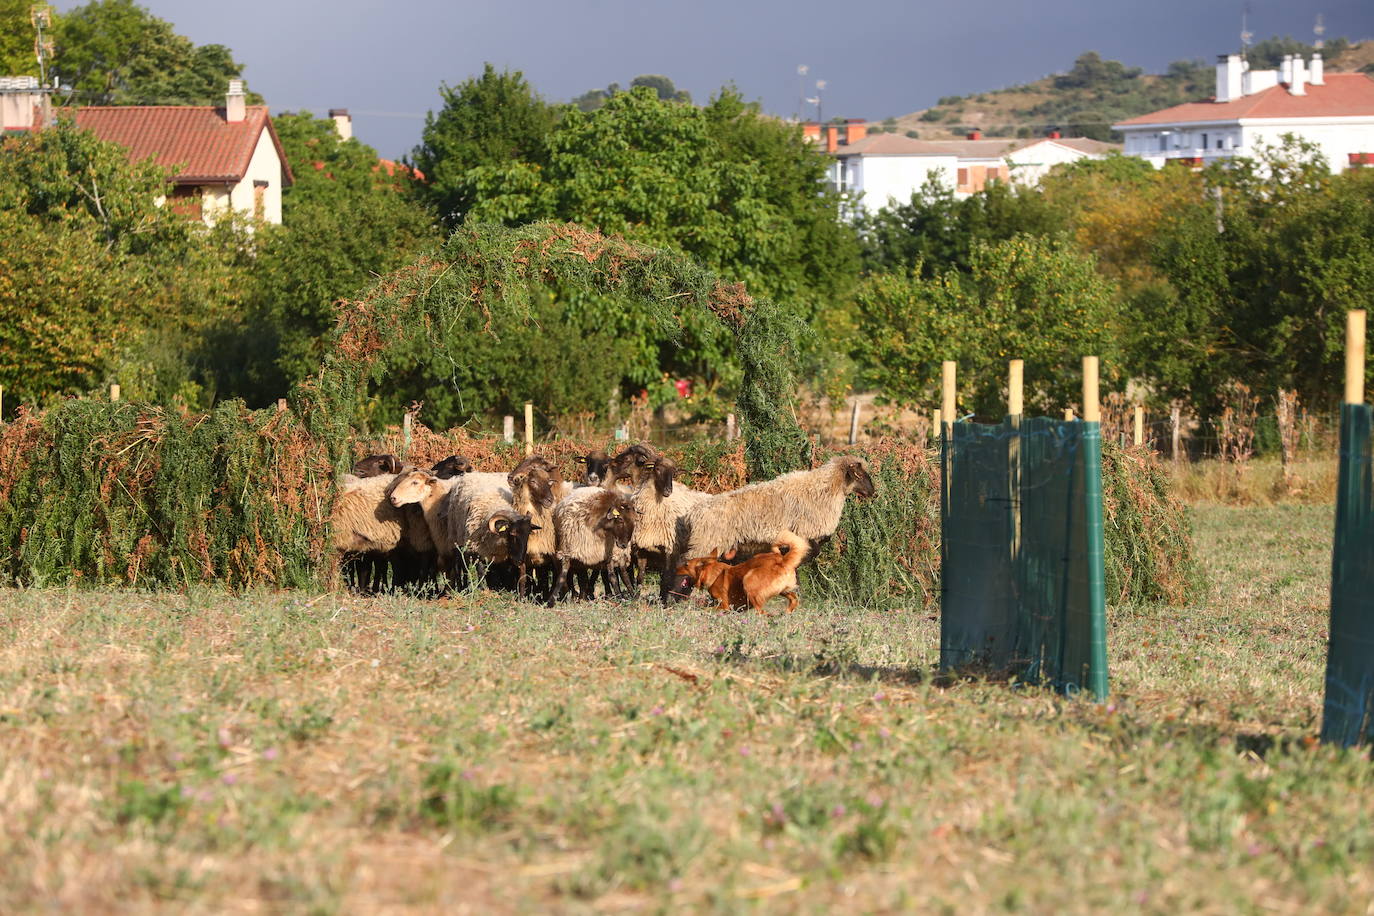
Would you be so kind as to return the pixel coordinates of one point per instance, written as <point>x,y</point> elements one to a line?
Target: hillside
<point>1095,93</point>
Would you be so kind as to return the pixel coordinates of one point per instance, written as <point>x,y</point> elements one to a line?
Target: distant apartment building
<point>1335,111</point>
<point>224,158</point>
<point>878,170</point>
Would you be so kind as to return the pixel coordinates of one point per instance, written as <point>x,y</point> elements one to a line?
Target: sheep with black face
<point>594,527</point>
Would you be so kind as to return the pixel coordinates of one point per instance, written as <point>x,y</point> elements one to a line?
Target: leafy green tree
<point>346,220</point>
<point>1030,298</point>
<point>100,284</point>
<point>17,56</point>
<point>938,231</point>
<point>485,123</point>
<point>1090,71</point>
<point>114,52</point>
<point>662,85</point>
<point>1265,272</point>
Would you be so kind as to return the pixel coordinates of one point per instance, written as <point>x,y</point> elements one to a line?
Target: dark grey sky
<point>385,60</point>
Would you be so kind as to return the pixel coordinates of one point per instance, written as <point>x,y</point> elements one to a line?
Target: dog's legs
<point>791,596</point>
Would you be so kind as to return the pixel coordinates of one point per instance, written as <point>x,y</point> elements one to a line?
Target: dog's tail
<point>796,549</point>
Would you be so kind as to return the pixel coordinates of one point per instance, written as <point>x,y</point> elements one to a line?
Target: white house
<point>224,158</point>
<point>888,168</point>
<point>1032,162</point>
<point>1335,111</point>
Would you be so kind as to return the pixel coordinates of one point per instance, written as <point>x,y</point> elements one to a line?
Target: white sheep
<point>807,504</point>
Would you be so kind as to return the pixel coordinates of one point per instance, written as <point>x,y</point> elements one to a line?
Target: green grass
<point>328,753</point>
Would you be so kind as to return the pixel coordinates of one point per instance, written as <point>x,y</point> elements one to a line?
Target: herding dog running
<point>754,582</point>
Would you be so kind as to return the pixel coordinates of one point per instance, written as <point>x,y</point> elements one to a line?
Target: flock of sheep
<point>534,531</point>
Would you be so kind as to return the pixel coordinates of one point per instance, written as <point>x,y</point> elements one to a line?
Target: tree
<point>486,122</point>
<point>937,231</point>
<point>99,283</point>
<point>662,85</point>
<point>1090,71</point>
<point>17,56</point>
<point>1029,298</point>
<point>345,221</point>
<point>114,52</point>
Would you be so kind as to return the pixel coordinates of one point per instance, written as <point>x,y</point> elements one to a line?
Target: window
<point>1164,142</point>
<point>963,177</point>
<point>1204,141</point>
<point>1221,142</point>
<point>259,199</point>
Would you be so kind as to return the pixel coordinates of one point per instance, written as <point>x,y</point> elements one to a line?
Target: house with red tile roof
<point>223,158</point>
<point>1335,111</point>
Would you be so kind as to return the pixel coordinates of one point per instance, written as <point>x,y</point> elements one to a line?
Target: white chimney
<point>1286,70</point>
<point>1228,77</point>
<point>235,102</point>
<point>1299,84</point>
<point>343,122</point>
<point>1315,74</point>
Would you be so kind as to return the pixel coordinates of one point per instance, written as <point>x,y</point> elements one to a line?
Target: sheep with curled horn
<point>594,528</point>
<point>377,465</point>
<point>661,503</point>
<point>807,504</point>
<point>483,524</point>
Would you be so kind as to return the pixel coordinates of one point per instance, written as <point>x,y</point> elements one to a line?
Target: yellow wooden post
<point>948,374</point>
<point>1139,425</point>
<point>529,428</point>
<point>1092,406</point>
<point>1015,388</point>
<point>114,392</point>
<point>1354,356</point>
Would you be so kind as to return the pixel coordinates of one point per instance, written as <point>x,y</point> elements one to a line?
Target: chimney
<point>343,122</point>
<point>1229,70</point>
<point>1286,70</point>
<point>832,138</point>
<point>1314,75</point>
<point>974,134</point>
<point>1054,133</point>
<point>811,131</point>
<point>235,103</point>
<point>1299,84</point>
<point>855,129</point>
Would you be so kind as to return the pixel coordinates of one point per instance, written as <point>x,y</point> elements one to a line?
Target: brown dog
<point>754,582</point>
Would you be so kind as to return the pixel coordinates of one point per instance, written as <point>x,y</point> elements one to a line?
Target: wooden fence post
<point>1068,414</point>
<point>935,423</point>
<point>114,393</point>
<point>406,423</point>
<point>508,428</point>
<point>1015,388</point>
<point>1092,405</point>
<point>948,392</point>
<point>1139,425</point>
<point>281,405</point>
<point>854,423</point>
<point>529,428</point>
<point>1175,422</point>
<point>730,427</point>
<point>1354,356</point>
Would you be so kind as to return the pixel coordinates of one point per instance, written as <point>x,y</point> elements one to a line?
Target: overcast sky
<point>384,61</point>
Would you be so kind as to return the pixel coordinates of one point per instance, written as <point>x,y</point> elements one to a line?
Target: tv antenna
<point>802,70</point>
<point>1319,30</point>
<point>1245,33</point>
<point>40,14</point>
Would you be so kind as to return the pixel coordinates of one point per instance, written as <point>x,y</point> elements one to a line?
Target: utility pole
<point>40,14</point>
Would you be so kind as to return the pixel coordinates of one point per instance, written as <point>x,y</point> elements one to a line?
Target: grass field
<point>330,753</point>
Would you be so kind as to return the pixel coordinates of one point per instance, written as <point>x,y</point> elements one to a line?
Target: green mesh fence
<point>1350,657</point>
<point>1022,561</point>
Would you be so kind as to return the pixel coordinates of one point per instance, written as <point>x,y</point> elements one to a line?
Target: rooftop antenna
<point>40,14</point>
<point>1319,30</point>
<point>802,70</point>
<point>820,92</point>
<point>1245,33</point>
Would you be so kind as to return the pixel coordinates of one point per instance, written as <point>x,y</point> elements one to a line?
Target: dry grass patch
<point>291,751</point>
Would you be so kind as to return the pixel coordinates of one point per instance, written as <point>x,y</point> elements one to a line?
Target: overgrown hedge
<point>103,493</point>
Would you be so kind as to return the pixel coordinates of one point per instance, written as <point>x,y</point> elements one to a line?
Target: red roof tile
<point>194,138</point>
<point>1342,95</point>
